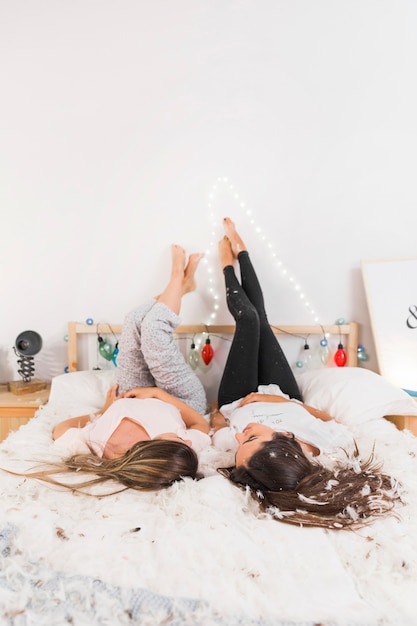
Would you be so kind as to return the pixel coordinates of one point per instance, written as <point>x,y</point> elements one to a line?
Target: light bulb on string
<point>340,357</point>
<point>116,348</point>
<point>305,358</point>
<point>193,356</point>
<point>207,352</point>
<point>115,353</point>
<point>105,349</point>
<point>324,350</point>
<point>362,354</point>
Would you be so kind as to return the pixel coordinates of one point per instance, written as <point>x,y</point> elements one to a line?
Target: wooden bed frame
<point>347,332</point>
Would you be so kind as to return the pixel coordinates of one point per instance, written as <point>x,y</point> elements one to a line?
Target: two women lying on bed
<point>148,436</point>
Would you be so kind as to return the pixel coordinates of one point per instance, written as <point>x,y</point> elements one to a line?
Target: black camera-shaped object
<point>27,344</point>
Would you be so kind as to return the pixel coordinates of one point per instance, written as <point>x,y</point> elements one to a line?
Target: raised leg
<point>272,363</point>
<point>240,375</point>
<point>149,355</point>
<point>167,365</point>
<point>132,369</point>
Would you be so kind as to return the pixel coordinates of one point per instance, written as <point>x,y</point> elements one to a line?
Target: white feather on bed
<point>199,553</point>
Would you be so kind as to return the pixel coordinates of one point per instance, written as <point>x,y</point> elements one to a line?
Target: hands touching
<point>144,392</point>
<point>136,392</point>
<point>262,397</point>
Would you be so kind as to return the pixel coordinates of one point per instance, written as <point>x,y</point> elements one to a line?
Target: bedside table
<point>16,410</point>
<point>404,422</point>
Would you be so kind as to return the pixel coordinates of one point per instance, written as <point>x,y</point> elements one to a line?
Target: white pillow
<point>353,395</point>
<point>85,390</point>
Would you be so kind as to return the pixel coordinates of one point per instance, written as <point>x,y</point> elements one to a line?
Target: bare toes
<point>236,240</point>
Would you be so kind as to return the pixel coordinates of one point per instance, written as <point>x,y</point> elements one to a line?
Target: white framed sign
<point>391,293</point>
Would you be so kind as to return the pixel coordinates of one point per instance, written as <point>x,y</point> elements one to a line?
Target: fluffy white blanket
<point>198,553</point>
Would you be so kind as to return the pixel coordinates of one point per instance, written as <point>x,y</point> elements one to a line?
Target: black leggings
<point>255,356</point>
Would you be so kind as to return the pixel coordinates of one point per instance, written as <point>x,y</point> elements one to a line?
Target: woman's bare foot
<point>188,283</point>
<point>177,260</point>
<point>225,252</point>
<point>236,240</point>
<point>182,279</point>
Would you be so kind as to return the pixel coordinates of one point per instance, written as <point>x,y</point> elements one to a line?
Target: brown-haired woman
<point>275,435</point>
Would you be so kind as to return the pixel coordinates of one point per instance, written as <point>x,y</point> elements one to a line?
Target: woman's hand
<point>110,397</point>
<point>262,397</point>
<point>191,418</point>
<point>143,392</point>
<point>217,420</point>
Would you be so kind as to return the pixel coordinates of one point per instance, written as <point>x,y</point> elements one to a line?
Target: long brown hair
<point>146,466</point>
<point>295,490</point>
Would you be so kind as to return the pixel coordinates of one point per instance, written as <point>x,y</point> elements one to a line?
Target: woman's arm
<point>321,415</point>
<point>82,420</point>
<point>260,397</point>
<point>192,419</point>
<point>72,422</point>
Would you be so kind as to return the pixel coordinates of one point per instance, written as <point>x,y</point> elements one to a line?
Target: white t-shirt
<point>156,417</point>
<point>282,417</point>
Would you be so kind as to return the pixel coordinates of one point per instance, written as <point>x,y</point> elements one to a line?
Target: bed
<point>200,553</point>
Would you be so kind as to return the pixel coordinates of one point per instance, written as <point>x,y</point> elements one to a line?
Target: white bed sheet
<point>197,553</point>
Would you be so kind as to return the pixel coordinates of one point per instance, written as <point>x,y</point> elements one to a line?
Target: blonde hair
<point>147,466</point>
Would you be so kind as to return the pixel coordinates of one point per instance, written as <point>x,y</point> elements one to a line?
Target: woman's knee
<point>248,316</point>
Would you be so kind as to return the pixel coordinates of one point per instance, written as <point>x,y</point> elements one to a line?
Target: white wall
<point>118,117</point>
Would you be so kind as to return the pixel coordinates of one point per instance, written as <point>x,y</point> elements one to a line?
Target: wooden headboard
<point>347,332</point>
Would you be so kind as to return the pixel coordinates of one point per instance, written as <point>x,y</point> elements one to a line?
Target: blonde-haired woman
<point>152,424</point>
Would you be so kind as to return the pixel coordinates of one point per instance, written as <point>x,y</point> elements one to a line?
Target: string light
<point>324,350</point>
<point>362,354</point>
<point>340,357</point>
<point>305,359</point>
<point>193,356</point>
<point>106,350</point>
<point>222,184</point>
<point>207,353</point>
